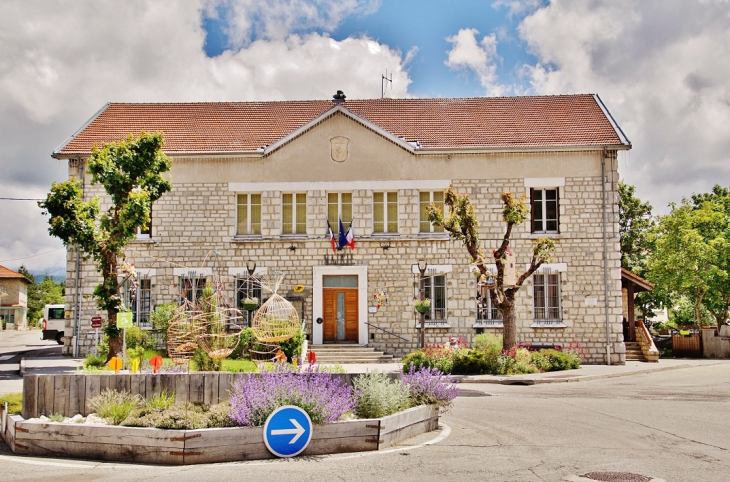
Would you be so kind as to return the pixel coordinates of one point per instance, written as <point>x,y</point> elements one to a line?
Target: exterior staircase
<point>346,353</point>
<point>634,352</point>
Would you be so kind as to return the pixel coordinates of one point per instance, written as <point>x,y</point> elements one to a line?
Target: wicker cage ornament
<point>277,319</point>
<point>182,334</point>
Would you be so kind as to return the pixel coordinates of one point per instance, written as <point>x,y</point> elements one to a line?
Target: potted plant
<point>422,306</point>
<point>250,304</point>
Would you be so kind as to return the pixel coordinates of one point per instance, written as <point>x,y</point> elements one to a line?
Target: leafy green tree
<point>691,256</point>
<point>24,271</point>
<point>131,173</point>
<point>635,223</point>
<point>462,225</point>
<point>47,292</point>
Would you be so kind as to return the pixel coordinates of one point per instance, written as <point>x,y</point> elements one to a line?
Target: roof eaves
<point>347,112</point>
<point>57,151</point>
<point>622,137</point>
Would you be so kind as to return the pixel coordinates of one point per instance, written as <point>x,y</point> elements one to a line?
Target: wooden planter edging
<point>68,395</point>
<point>178,447</point>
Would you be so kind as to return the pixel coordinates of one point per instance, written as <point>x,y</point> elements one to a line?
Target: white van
<point>54,323</point>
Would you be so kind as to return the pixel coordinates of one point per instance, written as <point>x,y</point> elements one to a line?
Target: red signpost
<point>96,321</point>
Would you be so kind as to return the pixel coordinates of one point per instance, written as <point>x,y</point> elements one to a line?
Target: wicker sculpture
<point>182,334</point>
<point>217,332</point>
<point>277,319</point>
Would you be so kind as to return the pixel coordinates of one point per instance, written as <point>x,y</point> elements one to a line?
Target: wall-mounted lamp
<point>250,267</point>
<point>385,246</point>
<point>293,247</point>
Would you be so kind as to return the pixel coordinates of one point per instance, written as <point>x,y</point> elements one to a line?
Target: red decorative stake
<point>156,362</point>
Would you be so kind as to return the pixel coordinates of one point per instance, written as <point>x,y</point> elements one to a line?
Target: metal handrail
<point>388,332</point>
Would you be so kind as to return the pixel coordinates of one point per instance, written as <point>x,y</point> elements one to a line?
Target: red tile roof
<point>9,273</point>
<point>481,122</point>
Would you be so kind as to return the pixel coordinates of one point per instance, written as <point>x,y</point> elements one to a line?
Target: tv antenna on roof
<point>383,81</point>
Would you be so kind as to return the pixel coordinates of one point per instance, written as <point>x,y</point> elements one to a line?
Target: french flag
<point>332,236</point>
<point>347,238</point>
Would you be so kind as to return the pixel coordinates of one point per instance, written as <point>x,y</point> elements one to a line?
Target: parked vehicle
<point>53,323</point>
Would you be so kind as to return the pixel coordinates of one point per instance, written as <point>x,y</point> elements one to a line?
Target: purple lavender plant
<point>323,397</point>
<point>430,386</point>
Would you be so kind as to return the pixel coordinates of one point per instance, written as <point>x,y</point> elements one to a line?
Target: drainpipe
<point>77,283</point>
<point>605,258</point>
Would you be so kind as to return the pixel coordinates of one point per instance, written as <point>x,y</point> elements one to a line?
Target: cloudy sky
<point>661,66</point>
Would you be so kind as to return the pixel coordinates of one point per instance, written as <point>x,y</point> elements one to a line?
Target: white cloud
<point>277,19</point>
<point>61,61</point>
<point>517,8</point>
<point>662,69</point>
<point>478,56</point>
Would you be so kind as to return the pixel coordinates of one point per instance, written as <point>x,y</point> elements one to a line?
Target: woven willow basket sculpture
<point>219,335</point>
<point>277,319</point>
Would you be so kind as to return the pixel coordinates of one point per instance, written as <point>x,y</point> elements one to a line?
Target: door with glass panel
<point>340,314</point>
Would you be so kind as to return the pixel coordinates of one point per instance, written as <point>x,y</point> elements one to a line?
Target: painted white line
<point>6,357</point>
<point>27,461</point>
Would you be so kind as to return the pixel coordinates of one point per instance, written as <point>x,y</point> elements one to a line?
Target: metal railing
<point>386,331</point>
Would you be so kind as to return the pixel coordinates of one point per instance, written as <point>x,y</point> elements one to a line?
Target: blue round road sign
<point>287,431</point>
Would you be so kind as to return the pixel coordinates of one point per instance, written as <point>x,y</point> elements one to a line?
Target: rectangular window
<point>435,290</point>
<point>385,212</point>
<point>129,295</point>
<point>294,213</point>
<point>425,200</point>
<point>487,314</point>
<point>145,233</point>
<point>339,206</point>
<point>545,210</point>
<point>247,288</point>
<point>547,297</point>
<point>248,217</point>
<point>191,288</point>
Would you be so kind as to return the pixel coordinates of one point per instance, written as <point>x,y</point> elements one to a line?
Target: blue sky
<point>659,65</point>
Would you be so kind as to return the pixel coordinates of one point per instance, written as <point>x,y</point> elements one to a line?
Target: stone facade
<point>194,229</point>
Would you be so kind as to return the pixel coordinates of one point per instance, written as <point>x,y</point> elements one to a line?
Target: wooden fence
<point>686,345</point>
<point>70,394</point>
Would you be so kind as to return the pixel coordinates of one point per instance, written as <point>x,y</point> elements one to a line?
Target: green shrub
<point>94,361</point>
<point>162,316</point>
<point>202,362</point>
<point>542,361</point>
<point>136,337</point>
<point>162,400</point>
<point>488,343</point>
<point>115,406</point>
<point>181,416</point>
<point>563,361</point>
<point>472,362</point>
<point>14,401</point>
<point>377,395</point>
<point>293,346</point>
<point>439,358</point>
<point>56,417</point>
<point>241,351</point>
<point>136,352</point>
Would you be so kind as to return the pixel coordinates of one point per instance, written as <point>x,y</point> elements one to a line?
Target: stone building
<point>13,299</point>
<point>257,183</point>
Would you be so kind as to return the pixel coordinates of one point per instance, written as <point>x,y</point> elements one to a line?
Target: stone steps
<point>349,354</point>
<point>633,351</point>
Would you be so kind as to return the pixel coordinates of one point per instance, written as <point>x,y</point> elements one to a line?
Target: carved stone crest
<point>339,148</point>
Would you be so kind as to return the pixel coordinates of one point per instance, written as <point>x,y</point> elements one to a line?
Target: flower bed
<point>178,436</point>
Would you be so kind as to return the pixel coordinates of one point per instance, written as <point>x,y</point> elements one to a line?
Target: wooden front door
<point>340,320</point>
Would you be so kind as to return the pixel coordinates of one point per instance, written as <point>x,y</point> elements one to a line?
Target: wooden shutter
<point>532,210</point>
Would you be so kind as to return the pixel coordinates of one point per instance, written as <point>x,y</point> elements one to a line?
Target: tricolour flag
<point>332,235</point>
<point>350,237</point>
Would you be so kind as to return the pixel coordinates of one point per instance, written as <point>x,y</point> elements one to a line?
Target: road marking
<point>6,357</point>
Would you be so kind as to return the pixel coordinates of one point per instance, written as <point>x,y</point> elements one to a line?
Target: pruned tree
<point>461,222</point>
<point>131,173</point>
<point>635,223</point>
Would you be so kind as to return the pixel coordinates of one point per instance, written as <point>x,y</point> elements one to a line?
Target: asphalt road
<point>672,425</point>
<point>17,344</point>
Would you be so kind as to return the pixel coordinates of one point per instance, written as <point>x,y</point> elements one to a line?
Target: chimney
<point>339,97</point>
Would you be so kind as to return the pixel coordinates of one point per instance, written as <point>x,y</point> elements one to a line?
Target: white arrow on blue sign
<point>287,431</point>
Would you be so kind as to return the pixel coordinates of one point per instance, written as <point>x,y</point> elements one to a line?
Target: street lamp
<point>422,265</point>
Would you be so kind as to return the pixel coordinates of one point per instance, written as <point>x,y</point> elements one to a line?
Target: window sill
<point>433,235</point>
<point>548,324</point>
<point>434,325</point>
<point>292,237</point>
<point>488,324</point>
<point>244,238</point>
<point>554,235</point>
<point>385,235</point>
<point>143,241</point>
